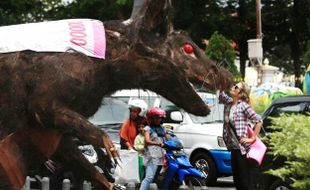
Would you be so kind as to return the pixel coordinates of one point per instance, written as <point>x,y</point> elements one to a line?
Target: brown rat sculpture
<point>46,98</point>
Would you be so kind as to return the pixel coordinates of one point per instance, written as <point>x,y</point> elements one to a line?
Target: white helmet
<point>138,103</point>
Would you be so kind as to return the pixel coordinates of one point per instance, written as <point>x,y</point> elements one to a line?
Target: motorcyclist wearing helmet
<point>129,129</point>
<point>154,137</point>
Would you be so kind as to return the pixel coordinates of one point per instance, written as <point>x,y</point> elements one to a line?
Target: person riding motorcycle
<point>154,137</point>
<point>129,131</point>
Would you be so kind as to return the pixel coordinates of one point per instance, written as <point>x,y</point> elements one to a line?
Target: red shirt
<point>128,132</point>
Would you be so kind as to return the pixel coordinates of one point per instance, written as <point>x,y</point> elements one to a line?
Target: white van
<point>202,136</point>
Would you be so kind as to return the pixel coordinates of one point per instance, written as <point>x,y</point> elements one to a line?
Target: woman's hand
<point>159,144</point>
<point>50,165</point>
<point>245,140</point>
<point>130,148</point>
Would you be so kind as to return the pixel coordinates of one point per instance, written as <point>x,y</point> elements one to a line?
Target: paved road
<point>223,183</point>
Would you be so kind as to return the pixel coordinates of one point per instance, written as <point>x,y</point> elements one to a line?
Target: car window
<point>123,98</point>
<point>112,111</point>
<point>148,99</point>
<point>288,108</point>
<point>109,117</point>
<point>216,114</point>
<point>285,108</point>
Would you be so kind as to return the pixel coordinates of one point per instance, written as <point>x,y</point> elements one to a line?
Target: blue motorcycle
<point>177,168</point>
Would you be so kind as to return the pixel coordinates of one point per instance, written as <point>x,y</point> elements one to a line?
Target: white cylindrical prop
<point>45,183</point>
<point>66,184</point>
<point>255,49</point>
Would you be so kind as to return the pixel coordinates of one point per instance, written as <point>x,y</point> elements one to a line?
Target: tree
<point>294,130</point>
<point>104,9</point>
<point>220,50</point>
<point>285,27</point>
<point>286,32</point>
<point>21,11</point>
<point>246,29</point>
<point>234,19</point>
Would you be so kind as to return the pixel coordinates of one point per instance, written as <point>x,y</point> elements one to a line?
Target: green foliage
<point>104,9</point>
<point>21,11</point>
<point>122,2</point>
<point>18,11</point>
<point>220,50</point>
<point>202,18</point>
<point>284,23</point>
<point>291,140</point>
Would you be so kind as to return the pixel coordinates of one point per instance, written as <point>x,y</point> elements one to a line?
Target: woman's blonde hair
<point>244,92</point>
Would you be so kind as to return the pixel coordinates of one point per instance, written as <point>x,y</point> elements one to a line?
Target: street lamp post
<point>258,20</point>
<point>255,48</point>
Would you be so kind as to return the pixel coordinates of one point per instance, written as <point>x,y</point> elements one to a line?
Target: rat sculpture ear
<point>153,20</point>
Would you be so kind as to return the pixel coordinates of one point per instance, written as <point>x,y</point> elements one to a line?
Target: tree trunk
<point>243,56</point>
<point>243,41</point>
<point>295,43</point>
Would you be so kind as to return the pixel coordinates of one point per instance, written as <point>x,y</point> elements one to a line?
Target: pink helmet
<point>156,112</point>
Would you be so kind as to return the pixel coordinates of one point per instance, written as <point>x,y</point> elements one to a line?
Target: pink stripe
<point>99,39</point>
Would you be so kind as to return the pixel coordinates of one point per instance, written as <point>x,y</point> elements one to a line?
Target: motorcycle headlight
<point>171,157</point>
<point>87,150</point>
<point>220,142</point>
<point>178,152</point>
<point>89,153</point>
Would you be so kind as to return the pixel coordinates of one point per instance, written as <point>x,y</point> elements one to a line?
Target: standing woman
<point>238,114</point>
<point>155,135</point>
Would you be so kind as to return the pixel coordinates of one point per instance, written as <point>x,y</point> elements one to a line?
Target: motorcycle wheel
<point>194,182</point>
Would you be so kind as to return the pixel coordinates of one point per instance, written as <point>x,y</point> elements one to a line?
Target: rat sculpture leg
<point>12,163</point>
<point>20,150</point>
<point>17,156</point>
<point>79,126</point>
<point>70,122</point>
<point>69,155</point>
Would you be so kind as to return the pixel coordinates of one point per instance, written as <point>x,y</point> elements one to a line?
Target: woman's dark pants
<point>242,169</point>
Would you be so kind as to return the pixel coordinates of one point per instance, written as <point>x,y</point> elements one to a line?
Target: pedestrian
<point>129,131</point>
<point>154,137</point>
<point>238,114</point>
<point>139,145</point>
